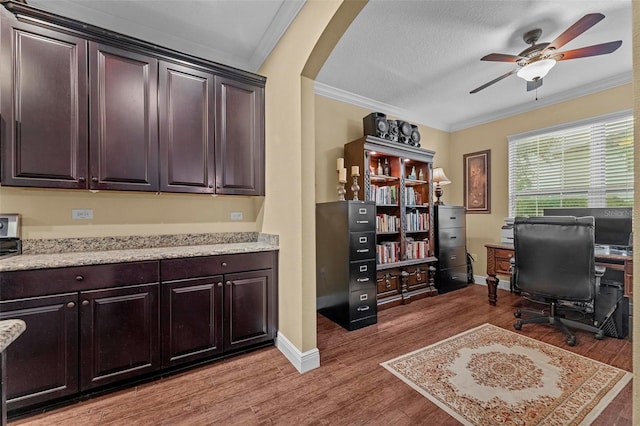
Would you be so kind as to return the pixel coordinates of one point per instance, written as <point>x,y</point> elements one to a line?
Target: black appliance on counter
<point>10,243</point>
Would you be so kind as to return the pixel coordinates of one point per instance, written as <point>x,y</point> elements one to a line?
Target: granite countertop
<point>103,254</point>
<point>9,331</point>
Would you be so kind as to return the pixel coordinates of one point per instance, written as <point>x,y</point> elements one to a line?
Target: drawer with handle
<point>362,217</point>
<point>362,245</point>
<point>362,275</point>
<point>362,304</point>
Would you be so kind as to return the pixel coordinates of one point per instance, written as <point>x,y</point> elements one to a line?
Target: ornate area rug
<point>492,376</point>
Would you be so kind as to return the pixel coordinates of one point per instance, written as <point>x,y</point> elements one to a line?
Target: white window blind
<point>585,164</point>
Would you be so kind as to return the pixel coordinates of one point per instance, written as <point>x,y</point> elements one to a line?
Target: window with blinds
<point>585,164</point>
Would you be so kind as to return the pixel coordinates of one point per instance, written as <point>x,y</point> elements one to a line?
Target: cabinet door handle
<point>85,302</point>
<point>79,278</point>
<point>82,179</point>
<point>229,283</point>
<point>224,263</point>
<point>94,179</point>
<point>71,305</point>
<point>220,284</point>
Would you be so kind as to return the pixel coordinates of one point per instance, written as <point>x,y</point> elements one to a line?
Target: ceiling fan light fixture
<point>536,70</point>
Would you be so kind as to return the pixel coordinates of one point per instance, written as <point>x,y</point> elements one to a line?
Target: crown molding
<point>327,91</point>
<point>278,26</point>
<point>608,83</point>
<point>322,89</point>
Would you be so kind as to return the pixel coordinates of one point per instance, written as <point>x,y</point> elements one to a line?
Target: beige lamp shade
<point>439,177</point>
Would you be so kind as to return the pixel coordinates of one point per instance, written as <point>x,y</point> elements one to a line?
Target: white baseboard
<point>302,361</point>
<point>481,280</point>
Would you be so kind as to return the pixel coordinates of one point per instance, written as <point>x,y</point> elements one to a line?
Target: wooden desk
<point>499,263</point>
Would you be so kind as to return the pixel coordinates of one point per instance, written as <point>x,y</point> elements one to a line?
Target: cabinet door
<point>44,107</point>
<point>191,319</point>
<point>119,334</point>
<point>42,364</point>
<point>250,309</point>
<point>186,129</point>
<point>123,119</point>
<point>239,137</point>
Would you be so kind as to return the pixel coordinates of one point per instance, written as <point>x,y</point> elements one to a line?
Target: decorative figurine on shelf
<point>386,169</point>
<point>412,175</point>
<point>379,172</point>
<point>421,175</point>
<point>342,179</point>
<point>355,172</point>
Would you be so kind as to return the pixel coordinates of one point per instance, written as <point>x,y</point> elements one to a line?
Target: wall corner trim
<point>302,361</point>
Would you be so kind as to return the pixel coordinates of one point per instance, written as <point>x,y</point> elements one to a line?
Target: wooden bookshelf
<point>404,259</point>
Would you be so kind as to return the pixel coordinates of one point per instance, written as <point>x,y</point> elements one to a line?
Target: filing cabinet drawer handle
<point>363,308</point>
<point>452,217</point>
<point>453,237</point>
<point>360,222</point>
<point>362,280</point>
<point>453,257</point>
<point>363,250</point>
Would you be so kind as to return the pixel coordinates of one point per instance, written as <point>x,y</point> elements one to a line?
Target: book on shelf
<point>388,252</point>
<point>412,197</point>
<point>417,249</point>
<point>417,221</point>
<point>384,194</point>
<point>387,223</point>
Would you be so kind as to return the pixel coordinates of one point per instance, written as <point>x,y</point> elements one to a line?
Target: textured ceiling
<point>414,59</point>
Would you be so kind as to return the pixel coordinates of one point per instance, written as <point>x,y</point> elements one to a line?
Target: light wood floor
<point>350,388</point>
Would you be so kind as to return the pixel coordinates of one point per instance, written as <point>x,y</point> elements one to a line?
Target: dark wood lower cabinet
<point>42,363</point>
<point>191,319</point>
<point>119,335</point>
<point>107,325</point>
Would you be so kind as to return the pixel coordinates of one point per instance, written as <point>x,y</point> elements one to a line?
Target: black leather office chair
<point>554,261</point>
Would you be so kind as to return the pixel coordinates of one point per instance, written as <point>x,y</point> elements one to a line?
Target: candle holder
<point>341,190</point>
<point>355,187</point>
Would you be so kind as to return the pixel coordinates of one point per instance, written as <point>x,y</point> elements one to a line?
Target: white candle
<point>340,164</point>
<point>355,171</point>
<point>342,175</point>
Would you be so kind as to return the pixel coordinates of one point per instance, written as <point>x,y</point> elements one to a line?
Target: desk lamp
<point>440,179</point>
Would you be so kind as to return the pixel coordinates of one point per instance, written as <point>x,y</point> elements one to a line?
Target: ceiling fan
<point>536,61</point>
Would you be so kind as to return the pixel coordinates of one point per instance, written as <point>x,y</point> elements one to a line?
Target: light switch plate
<point>82,214</point>
<point>236,215</point>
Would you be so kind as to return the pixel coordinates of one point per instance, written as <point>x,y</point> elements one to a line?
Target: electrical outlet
<point>236,215</point>
<point>82,214</point>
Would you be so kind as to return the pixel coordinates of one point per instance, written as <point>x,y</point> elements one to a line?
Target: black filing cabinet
<point>346,262</point>
<point>450,246</point>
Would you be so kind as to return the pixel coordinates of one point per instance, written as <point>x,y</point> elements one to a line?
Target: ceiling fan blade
<point>484,86</point>
<point>533,85</point>
<point>583,52</point>
<point>582,25</point>
<point>501,57</point>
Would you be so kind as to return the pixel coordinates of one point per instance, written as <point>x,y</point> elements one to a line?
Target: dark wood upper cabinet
<point>124,119</point>
<point>44,107</point>
<point>186,129</point>
<point>239,137</point>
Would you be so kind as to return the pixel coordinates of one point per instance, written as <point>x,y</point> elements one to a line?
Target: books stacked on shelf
<point>412,197</point>
<point>384,194</point>
<point>388,252</point>
<point>387,223</point>
<point>417,221</point>
<point>417,249</point>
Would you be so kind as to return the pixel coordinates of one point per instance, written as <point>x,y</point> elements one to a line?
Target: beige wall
<point>485,228</point>
<point>338,123</point>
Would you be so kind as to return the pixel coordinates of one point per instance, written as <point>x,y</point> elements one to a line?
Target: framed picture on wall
<point>477,182</point>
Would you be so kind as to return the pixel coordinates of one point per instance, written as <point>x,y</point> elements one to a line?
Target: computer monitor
<point>613,224</point>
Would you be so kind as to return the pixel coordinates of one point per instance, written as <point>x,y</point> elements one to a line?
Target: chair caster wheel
<point>600,336</point>
<point>518,325</point>
<point>571,341</point>
<point>517,314</point>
